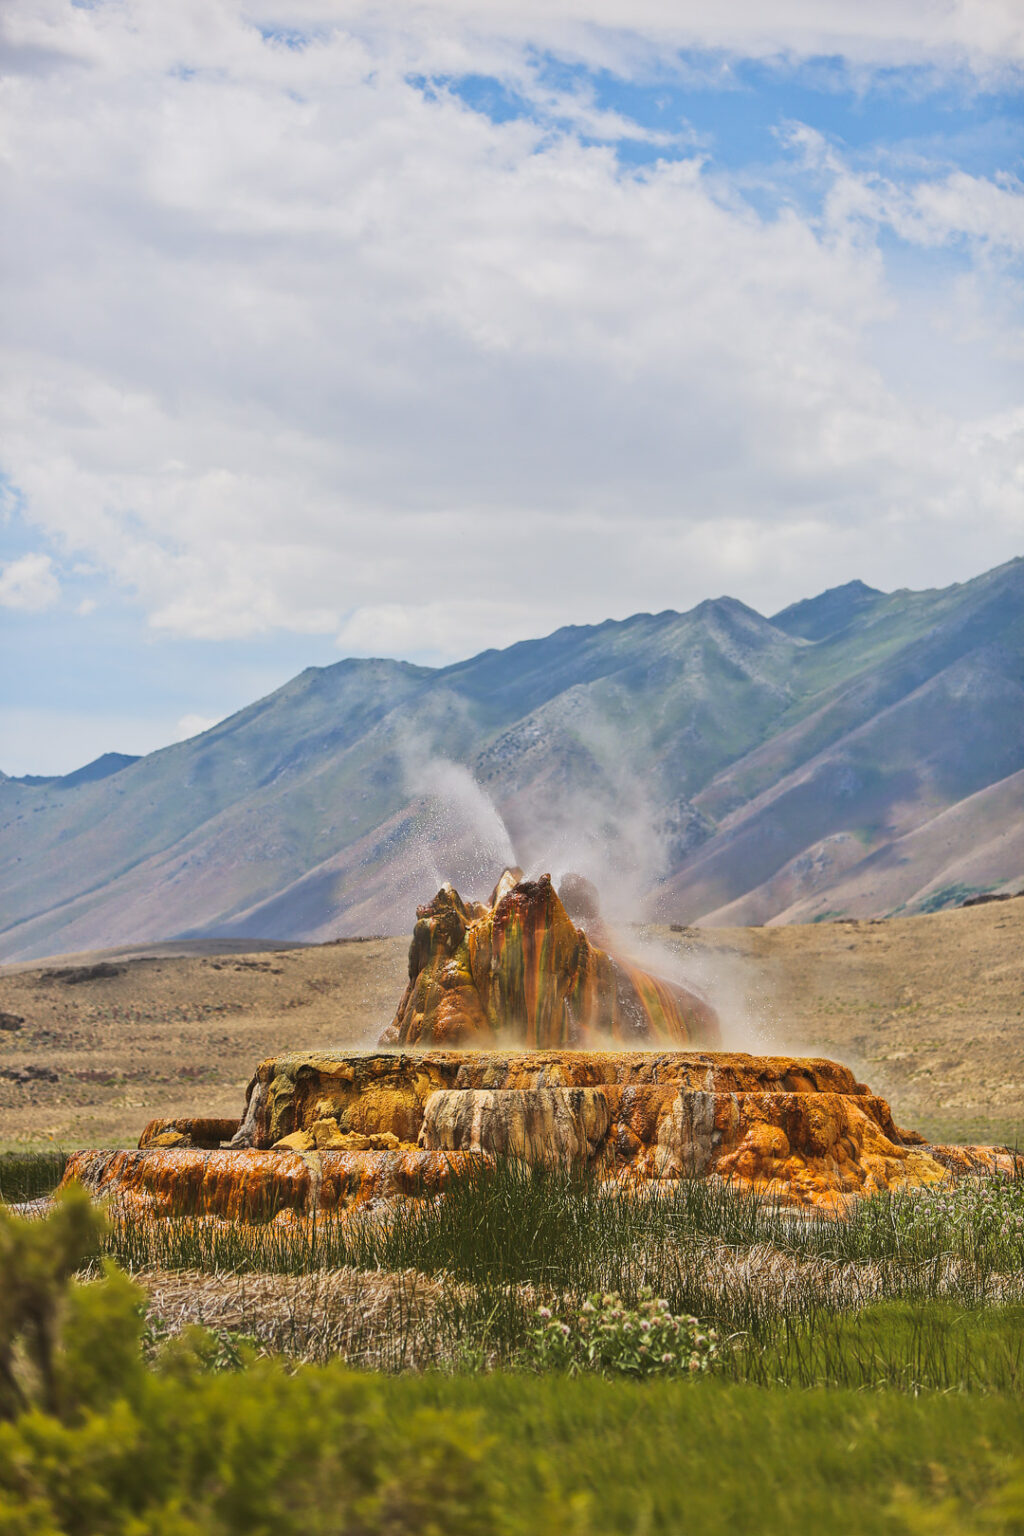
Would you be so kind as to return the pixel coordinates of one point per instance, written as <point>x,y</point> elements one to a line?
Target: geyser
<point>519,1008</point>
<point>518,971</point>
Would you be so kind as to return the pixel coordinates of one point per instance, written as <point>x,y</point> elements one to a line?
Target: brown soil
<point>928,1010</point>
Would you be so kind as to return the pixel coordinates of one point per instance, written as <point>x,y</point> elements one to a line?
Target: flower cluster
<point>605,1335</point>
<point>970,1217</point>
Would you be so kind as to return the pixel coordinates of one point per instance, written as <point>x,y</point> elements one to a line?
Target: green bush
<point>256,1452</point>
<point>605,1335</point>
<point>950,896</point>
<point>96,1442</point>
<point>60,1345</point>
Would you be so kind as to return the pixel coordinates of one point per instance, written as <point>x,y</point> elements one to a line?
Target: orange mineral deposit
<point>519,1036</point>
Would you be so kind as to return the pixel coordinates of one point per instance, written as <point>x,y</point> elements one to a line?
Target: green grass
<point>27,1175</point>
<point>710,1457</point>
<point>904,1292</point>
<point>896,1346</point>
<point>972,1130</point>
<point>561,1227</point>
<point>322,1451</point>
<point>863,1393</point>
<point>506,1226</point>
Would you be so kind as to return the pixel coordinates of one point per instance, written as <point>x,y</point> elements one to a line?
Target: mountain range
<point>857,754</point>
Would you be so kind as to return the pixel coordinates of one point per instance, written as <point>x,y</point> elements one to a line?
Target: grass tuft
<point>30,1175</point>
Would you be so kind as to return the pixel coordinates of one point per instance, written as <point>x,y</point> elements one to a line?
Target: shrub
<point>605,1335</point>
<point>61,1346</point>
<point>980,1220</point>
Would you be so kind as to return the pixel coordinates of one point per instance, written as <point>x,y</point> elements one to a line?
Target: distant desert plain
<point>929,1010</point>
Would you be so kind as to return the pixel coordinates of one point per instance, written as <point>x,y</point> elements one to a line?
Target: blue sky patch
<point>908,119</point>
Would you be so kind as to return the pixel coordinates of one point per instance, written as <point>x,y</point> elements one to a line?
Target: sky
<point>337,328</point>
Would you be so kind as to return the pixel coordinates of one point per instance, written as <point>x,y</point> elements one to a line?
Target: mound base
<point>334,1133</point>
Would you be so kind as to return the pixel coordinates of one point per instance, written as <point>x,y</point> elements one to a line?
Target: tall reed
<point>30,1175</point>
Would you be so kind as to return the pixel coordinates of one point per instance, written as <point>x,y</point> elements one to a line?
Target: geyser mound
<point>518,971</point>
<point>519,1007</point>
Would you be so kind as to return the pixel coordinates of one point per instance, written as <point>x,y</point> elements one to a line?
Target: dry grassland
<point>929,1010</point>
<point>392,1320</point>
<point>171,1033</point>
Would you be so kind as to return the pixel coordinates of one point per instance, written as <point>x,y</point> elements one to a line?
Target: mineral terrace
<point>520,1035</point>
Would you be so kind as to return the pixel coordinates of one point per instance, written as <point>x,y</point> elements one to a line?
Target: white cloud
<point>293,345</point>
<point>991,212</point>
<point>194,725</point>
<point>985,212</point>
<point>30,584</point>
<point>987,33</point>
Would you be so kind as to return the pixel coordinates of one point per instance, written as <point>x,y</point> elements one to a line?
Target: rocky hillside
<point>859,753</point>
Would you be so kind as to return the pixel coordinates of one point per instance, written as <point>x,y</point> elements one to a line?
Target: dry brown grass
<point>374,1320</point>
<point>409,1321</point>
<point>929,1010</point>
<point>176,1034</point>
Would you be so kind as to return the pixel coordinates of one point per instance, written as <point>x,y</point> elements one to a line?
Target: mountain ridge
<point>691,762</point>
<point>815,618</point>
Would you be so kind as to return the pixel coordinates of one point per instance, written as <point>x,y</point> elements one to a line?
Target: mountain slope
<point>728,763</point>
<point>816,618</point>
<point>934,720</point>
<point>976,844</point>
